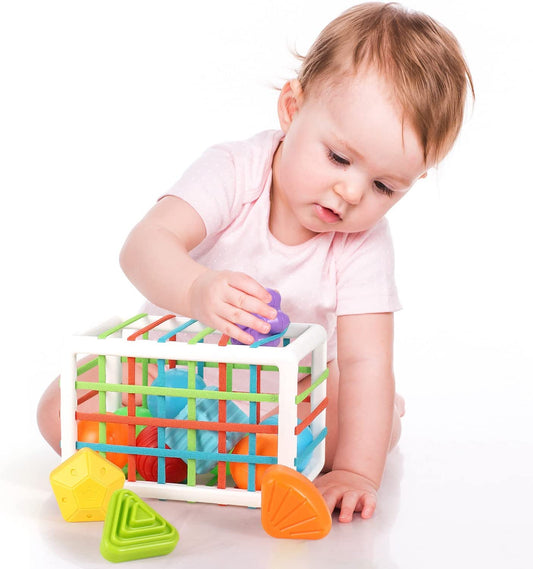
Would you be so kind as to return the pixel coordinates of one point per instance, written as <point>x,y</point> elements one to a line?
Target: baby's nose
<point>350,191</point>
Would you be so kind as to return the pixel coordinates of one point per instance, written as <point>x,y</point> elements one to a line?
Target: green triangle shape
<point>139,520</point>
<point>140,515</point>
<point>134,530</point>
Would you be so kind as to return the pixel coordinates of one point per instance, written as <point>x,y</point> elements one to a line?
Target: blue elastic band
<point>268,339</point>
<point>183,454</point>
<point>310,448</point>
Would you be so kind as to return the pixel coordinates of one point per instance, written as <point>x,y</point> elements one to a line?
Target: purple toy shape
<point>277,324</point>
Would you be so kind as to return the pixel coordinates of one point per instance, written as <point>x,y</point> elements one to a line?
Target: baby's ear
<point>289,102</point>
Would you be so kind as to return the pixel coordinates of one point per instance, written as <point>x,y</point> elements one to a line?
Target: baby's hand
<point>349,492</point>
<point>223,299</point>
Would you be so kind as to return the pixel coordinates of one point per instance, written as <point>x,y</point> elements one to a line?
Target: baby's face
<point>346,159</point>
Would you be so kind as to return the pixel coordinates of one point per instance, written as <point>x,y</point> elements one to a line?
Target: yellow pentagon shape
<point>104,471</point>
<point>83,486</point>
<point>89,493</point>
<point>72,471</point>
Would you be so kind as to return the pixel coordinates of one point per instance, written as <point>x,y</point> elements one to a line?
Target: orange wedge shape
<point>291,506</point>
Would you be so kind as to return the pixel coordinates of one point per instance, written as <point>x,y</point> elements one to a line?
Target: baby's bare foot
<point>399,402</point>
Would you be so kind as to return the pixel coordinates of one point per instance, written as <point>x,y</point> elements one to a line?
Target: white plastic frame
<point>305,339</point>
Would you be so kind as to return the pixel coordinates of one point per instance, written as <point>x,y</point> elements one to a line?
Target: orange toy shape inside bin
<point>116,434</point>
<point>266,445</point>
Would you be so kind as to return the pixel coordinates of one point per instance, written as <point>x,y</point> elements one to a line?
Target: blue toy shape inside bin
<point>177,378</point>
<point>206,441</point>
<point>303,440</point>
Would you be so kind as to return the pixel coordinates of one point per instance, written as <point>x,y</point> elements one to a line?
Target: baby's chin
<point>341,228</point>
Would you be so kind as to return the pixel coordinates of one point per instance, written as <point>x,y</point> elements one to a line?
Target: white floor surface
<point>458,491</point>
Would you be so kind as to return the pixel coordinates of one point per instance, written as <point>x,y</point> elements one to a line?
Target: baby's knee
<point>396,423</point>
<point>48,415</point>
<point>48,409</point>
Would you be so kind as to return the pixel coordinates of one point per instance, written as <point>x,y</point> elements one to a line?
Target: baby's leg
<point>48,415</point>
<point>49,404</point>
<point>399,411</point>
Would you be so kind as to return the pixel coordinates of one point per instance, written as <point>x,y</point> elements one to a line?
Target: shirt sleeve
<point>365,273</point>
<point>209,186</point>
<point>226,177</point>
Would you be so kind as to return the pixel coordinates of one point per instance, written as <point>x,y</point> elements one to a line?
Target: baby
<point>379,99</point>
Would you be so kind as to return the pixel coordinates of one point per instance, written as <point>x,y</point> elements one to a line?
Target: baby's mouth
<point>327,215</point>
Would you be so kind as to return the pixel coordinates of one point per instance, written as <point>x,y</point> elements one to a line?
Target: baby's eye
<point>336,159</point>
<point>381,187</point>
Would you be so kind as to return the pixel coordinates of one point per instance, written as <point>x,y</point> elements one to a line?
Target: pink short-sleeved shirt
<point>330,275</point>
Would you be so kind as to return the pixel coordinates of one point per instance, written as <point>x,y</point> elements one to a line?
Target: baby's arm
<point>365,414</point>
<point>155,257</point>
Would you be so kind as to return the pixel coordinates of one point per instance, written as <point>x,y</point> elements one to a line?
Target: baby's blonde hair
<point>420,58</point>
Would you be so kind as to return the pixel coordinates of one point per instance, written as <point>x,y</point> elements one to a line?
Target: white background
<point>103,104</point>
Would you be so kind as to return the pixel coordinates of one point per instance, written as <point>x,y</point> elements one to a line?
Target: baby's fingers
<point>367,505</point>
<point>233,331</point>
<point>248,295</point>
<point>236,323</point>
<point>356,502</point>
<point>332,496</point>
<point>348,506</point>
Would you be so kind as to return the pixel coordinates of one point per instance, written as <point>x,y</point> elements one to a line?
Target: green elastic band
<point>304,394</point>
<point>301,369</point>
<point>107,333</point>
<point>86,367</point>
<point>102,377</point>
<point>201,335</point>
<point>191,414</point>
<point>178,392</point>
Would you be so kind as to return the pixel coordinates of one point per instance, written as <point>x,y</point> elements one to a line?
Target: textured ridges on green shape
<point>133,530</point>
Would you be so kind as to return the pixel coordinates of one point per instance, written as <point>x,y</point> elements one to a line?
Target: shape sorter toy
<point>196,408</point>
